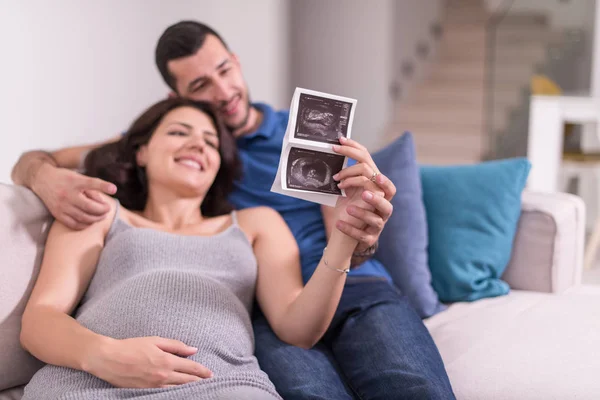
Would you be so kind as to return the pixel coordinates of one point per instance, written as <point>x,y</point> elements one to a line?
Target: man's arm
<point>26,169</point>
<point>71,198</point>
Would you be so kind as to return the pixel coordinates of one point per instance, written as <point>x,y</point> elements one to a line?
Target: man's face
<point>214,75</point>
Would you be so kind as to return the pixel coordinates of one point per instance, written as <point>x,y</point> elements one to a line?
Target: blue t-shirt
<point>260,152</point>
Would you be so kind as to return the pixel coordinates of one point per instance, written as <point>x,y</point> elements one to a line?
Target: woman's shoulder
<point>258,219</point>
<point>114,209</point>
<point>101,226</point>
<point>253,213</point>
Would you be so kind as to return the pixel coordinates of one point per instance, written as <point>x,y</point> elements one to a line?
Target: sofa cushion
<point>472,215</point>
<point>403,242</point>
<point>525,345</point>
<point>25,224</point>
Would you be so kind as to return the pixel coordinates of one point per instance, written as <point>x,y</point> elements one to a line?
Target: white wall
<point>345,47</point>
<point>76,72</point>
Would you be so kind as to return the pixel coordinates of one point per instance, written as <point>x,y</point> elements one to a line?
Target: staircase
<point>478,89</point>
<point>445,111</point>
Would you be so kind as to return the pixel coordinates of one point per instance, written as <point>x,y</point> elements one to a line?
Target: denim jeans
<point>375,348</point>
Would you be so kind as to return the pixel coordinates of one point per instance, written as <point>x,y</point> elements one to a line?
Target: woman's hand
<point>368,192</point>
<point>146,362</point>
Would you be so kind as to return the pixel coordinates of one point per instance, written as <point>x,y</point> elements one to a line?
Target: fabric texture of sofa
<point>541,341</point>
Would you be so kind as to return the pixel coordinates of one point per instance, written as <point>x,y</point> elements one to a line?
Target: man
<point>376,347</point>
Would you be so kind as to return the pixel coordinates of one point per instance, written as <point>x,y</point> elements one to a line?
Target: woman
<point>161,291</point>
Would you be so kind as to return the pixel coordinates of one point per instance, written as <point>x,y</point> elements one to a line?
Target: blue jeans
<point>375,348</point>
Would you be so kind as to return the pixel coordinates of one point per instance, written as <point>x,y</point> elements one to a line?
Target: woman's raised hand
<point>368,192</point>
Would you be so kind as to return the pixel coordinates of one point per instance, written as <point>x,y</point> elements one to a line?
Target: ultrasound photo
<point>322,119</point>
<point>313,170</point>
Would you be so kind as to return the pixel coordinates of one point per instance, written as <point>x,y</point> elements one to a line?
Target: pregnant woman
<point>154,301</point>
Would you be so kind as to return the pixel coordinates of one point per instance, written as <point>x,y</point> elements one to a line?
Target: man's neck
<point>255,118</point>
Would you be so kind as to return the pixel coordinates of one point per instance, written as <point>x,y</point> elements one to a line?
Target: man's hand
<point>377,191</point>
<point>145,362</point>
<point>72,198</point>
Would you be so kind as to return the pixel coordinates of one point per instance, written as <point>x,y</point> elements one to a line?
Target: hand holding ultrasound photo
<point>308,163</point>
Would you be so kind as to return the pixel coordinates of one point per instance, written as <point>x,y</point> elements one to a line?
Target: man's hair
<point>182,39</point>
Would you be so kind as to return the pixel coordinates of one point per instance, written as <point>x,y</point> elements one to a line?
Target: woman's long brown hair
<point>116,162</point>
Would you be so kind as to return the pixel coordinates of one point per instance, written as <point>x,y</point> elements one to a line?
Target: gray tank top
<point>196,289</point>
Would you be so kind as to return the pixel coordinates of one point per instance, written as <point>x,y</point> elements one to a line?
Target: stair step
<point>453,146</point>
<point>531,52</point>
<point>459,3</point>
<point>447,160</point>
<point>460,54</point>
<point>451,93</point>
<point>443,125</point>
<point>463,35</point>
<point>434,99</point>
<point>458,71</point>
<point>458,106</point>
<point>439,156</point>
<point>441,135</point>
<point>465,14</point>
<point>459,51</point>
<point>467,86</point>
<point>524,19</point>
<point>464,116</point>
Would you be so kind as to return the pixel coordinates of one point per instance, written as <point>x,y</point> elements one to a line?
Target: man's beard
<point>243,123</point>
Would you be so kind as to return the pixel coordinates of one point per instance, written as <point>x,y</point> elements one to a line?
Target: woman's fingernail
<point>343,138</point>
<point>350,210</point>
<point>336,147</point>
<point>380,179</point>
<point>336,176</point>
<point>368,195</point>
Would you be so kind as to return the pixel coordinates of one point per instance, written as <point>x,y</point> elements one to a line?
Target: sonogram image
<point>313,170</point>
<point>322,119</point>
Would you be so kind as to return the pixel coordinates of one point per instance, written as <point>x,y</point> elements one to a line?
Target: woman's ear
<point>141,157</point>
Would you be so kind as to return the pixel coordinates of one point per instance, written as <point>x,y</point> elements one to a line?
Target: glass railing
<point>541,47</point>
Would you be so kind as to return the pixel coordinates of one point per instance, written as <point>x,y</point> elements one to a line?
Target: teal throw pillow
<point>472,215</point>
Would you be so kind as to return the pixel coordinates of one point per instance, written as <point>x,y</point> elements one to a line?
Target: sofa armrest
<point>548,248</point>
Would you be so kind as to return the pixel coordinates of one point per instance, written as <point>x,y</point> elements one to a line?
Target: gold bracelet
<point>332,268</point>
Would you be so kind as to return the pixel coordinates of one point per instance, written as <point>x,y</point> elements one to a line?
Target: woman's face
<point>182,154</point>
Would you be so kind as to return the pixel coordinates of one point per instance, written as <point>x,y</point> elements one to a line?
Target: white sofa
<point>541,341</point>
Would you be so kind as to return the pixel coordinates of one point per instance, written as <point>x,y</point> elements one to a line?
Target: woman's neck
<point>172,211</point>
